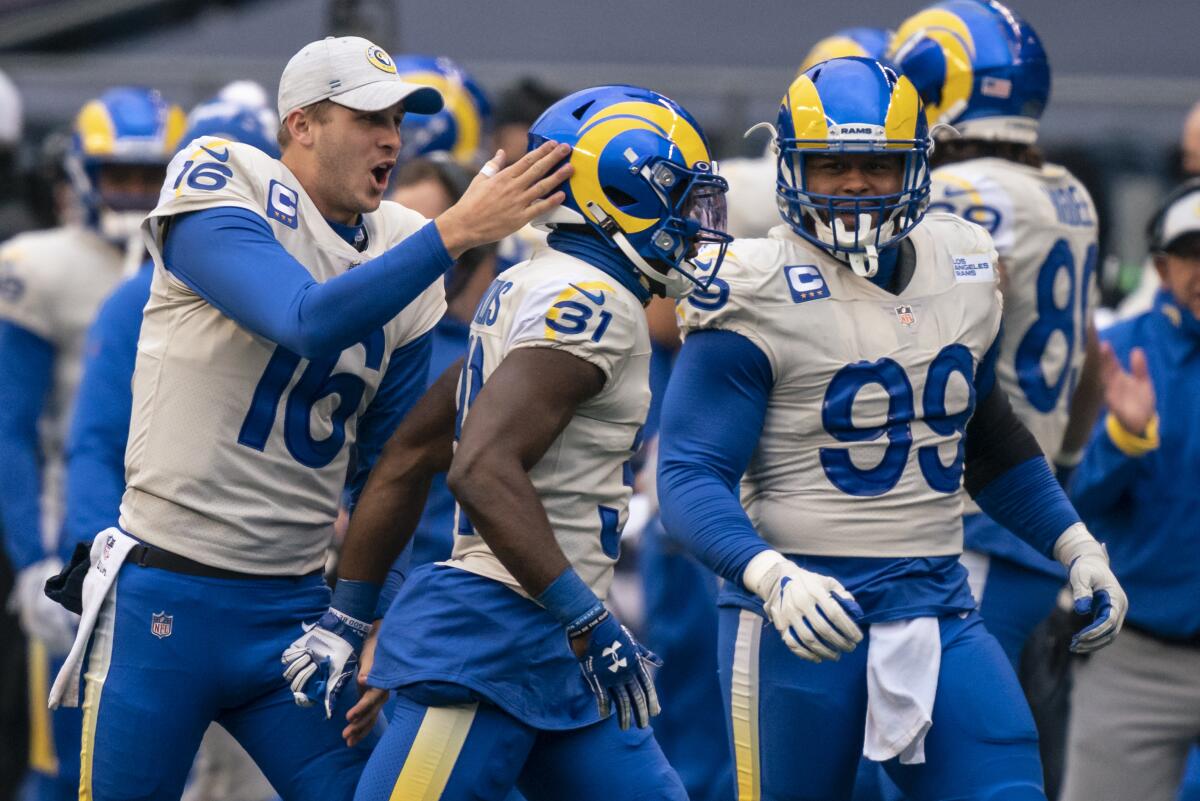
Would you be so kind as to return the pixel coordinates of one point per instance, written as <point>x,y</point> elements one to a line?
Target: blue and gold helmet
<point>978,66</point>
<point>852,106</point>
<point>863,42</point>
<point>126,128</point>
<point>643,181</point>
<point>464,122</point>
<point>237,119</point>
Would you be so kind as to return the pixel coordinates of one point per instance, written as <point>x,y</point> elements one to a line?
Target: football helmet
<point>462,125</point>
<point>124,129</point>
<point>232,120</point>
<point>643,181</point>
<point>979,68</point>
<point>852,105</point>
<point>866,42</point>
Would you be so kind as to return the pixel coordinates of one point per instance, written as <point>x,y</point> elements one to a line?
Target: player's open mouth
<point>381,171</point>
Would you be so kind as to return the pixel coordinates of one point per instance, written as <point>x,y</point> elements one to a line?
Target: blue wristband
<point>355,599</point>
<point>570,600</point>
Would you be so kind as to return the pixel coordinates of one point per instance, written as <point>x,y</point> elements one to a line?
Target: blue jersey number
<point>205,176</point>
<point>470,381</point>
<point>986,217</point>
<point>1042,392</point>
<point>316,382</point>
<point>837,417</point>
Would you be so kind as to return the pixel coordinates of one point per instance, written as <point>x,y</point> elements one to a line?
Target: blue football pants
<point>681,627</point>
<point>172,653</point>
<point>478,752</point>
<point>797,727</point>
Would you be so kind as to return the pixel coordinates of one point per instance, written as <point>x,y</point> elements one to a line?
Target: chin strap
<point>674,284</point>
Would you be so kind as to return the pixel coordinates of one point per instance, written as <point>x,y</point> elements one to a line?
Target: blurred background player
<point>54,281</point>
<point>462,128</point>
<point>14,216</point>
<point>753,212</point>
<point>95,454</point>
<point>851,353</point>
<point>551,401</point>
<point>1135,708</point>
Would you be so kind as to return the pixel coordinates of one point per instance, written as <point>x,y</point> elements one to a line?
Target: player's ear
<point>1160,264</point>
<point>299,123</point>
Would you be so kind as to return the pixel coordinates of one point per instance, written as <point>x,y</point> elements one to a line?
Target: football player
<point>51,283</point>
<point>263,361</point>
<point>851,357</point>
<point>99,431</point>
<point>982,69</point>
<point>506,660</point>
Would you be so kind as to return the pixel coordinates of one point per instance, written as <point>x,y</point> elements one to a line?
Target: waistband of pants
<point>144,555</point>
<point>1187,642</point>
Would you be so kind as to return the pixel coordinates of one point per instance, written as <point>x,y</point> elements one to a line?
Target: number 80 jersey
<point>861,450</point>
<point>238,448</point>
<point>584,479</point>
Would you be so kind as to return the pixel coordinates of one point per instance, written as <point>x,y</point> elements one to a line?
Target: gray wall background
<point>1122,69</point>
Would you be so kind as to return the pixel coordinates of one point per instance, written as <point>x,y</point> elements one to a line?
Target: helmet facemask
<point>693,200</point>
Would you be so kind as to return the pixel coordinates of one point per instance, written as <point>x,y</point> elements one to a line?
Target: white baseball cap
<point>354,73</point>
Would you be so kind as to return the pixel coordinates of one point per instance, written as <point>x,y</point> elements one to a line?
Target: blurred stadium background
<point>1124,74</point>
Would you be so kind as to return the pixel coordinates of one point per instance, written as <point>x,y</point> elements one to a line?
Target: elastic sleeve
<point>995,441</point>
<point>587,319</point>
<point>231,258</point>
<point>26,375</point>
<point>100,424</point>
<point>1028,501</point>
<point>712,417</point>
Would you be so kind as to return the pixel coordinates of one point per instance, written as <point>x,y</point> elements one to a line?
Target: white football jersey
<point>238,448</point>
<point>52,284</point>
<point>861,451</point>
<point>1044,225</point>
<point>584,480</point>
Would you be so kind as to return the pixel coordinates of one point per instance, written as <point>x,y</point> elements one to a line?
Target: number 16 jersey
<point>238,448</point>
<point>861,450</point>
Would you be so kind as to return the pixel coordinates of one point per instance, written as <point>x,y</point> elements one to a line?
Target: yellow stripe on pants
<point>744,706</point>
<point>94,678</point>
<point>433,753</point>
<point>42,757</point>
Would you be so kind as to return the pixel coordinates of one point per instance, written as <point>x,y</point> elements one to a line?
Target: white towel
<point>903,659</point>
<point>109,549</point>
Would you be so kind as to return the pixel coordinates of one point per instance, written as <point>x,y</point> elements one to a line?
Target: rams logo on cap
<point>380,60</point>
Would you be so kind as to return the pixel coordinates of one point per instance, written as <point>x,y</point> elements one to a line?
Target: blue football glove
<point>320,661</point>
<point>617,669</point>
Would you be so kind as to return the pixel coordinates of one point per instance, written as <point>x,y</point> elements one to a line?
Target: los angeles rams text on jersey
<point>216,408</point>
<point>584,480</point>
<point>1044,225</point>
<point>872,391</point>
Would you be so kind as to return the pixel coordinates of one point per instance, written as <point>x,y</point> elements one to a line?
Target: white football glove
<point>812,612</point>
<point>320,662</point>
<point>41,618</point>
<point>1093,586</point>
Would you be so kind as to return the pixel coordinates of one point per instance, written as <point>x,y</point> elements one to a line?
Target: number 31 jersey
<point>584,479</point>
<point>861,450</point>
<point>1044,226</point>
<point>238,448</point>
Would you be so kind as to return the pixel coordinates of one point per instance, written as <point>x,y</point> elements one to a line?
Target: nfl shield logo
<point>905,315</point>
<point>160,624</point>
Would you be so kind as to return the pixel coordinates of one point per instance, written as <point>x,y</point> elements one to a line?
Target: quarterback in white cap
<point>286,335</point>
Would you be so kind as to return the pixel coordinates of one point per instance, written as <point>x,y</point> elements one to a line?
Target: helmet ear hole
<point>619,196</point>
<point>579,112</point>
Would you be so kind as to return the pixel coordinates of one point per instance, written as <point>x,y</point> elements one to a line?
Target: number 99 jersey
<point>239,448</point>
<point>861,450</point>
<point>1044,226</point>
<point>584,480</point>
